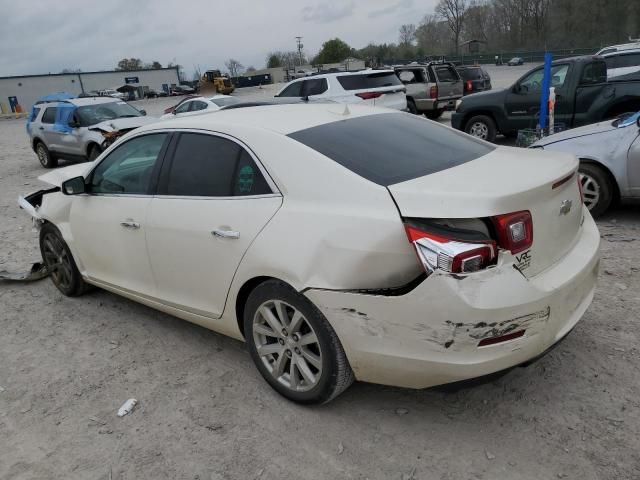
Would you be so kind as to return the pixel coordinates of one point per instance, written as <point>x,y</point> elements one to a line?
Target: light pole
<point>300,47</point>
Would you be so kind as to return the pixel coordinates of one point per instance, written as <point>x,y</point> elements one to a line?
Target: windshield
<point>223,102</point>
<point>91,114</point>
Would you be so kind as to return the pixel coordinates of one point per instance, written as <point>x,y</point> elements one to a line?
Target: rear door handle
<point>130,224</point>
<point>41,128</point>
<point>226,234</point>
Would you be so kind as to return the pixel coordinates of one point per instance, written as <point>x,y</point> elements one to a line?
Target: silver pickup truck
<point>432,87</point>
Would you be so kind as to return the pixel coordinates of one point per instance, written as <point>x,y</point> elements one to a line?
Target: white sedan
<point>339,244</point>
<point>197,105</point>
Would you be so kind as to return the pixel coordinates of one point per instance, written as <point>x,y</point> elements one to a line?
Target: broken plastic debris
<point>127,407</point>
<point>38,271</point>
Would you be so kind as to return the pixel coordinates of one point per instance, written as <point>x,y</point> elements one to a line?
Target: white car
<point>369,243</point>
<point>198,105</point>
<point>380,88</point>
<point>622,62</point>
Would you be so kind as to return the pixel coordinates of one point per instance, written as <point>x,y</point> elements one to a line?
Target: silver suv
<point>80,128</point>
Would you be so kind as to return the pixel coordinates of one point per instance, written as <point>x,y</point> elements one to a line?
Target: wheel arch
<point>243,294</point>
<point>616,188</point>
<point>35,141</point>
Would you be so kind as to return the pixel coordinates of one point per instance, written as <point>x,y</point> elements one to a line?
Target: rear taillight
<point>515,231</point>
<point>433,92</point>
<point>437,252</point>
<point>468,85</point>
<point>369,95</point>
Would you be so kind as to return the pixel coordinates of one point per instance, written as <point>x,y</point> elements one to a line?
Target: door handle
<point>130,224</point>
<point>226,234</point>
<point>41,128</point>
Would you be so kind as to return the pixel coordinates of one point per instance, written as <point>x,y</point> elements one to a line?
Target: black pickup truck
<point>583,96</point>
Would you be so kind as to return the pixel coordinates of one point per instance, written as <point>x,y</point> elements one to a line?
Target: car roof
<point>621,47</point>
<point>283,119</point>
<point>345,74</point>
<point>80,101</point>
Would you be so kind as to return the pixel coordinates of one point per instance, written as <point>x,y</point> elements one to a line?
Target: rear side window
<point>592,73</point>
<point>49,115</point>
<point>369,80</point>
<point>317,86</point>
<point>446,73</point>
<point>411,76</point>
<point>391,148</point>
<point>210,166</point>
<point>630,60</point>
<point>34,114</point>
<point>198,105</point>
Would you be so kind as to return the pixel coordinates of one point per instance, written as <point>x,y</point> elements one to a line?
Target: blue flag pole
<point>544,98</point>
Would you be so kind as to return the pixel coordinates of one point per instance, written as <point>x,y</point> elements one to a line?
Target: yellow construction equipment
<point>214,82</point>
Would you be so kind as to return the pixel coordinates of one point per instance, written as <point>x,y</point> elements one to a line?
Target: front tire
<point>597,188</point>
<point>293,346</point>
<point>483,127</point>
<point>47,160</point>
<point>94,152</point>
<point>411,106</point>
<point>60,263</point>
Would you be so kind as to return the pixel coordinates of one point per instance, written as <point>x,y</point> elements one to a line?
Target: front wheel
<point>481,126</point>
<point>597,188</point>
<point>60,263</point>
<point>293,346</point>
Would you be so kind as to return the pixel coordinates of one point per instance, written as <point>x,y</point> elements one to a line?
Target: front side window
<point>127,170</point>
<point>197,105</point>
<point>49,115</point>
<point>210,166</point>
<point>293,90</point>
<point>533,81</point>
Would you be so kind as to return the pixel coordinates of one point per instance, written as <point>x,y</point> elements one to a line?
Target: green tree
<point>333,51</point>
<point>157,65</point>
<point>274,60</point>
<point>130,64</point>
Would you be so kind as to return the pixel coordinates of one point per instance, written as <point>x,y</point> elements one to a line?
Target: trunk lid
<point>504,181</point>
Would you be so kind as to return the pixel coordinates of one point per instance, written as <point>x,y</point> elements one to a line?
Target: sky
<point>46,36</point>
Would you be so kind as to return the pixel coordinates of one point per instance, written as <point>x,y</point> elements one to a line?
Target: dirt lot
<point>66,366</point>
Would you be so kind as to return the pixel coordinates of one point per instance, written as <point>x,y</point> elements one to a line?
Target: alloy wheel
<point>43,156</point>
<point>480,130</point>
<point>287,345</point>
<point>590,190</point>
<point>57,261</point>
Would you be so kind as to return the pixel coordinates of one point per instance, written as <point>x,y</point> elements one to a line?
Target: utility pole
<point>300,47</point>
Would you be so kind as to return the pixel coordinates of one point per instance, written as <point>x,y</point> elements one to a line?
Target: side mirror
<point>74,186</point>
<point>143,112</point>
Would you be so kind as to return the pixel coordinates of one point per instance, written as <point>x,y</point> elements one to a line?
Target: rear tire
<point>411,106</point>
<point>293,345</point>
<point>47,160</point>
<point>60,263</point>
<point>597,188</point>
<point>483,127</point>
<point>434,114</point>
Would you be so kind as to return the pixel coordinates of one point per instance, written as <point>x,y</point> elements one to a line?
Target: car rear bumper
<point>431,335</point>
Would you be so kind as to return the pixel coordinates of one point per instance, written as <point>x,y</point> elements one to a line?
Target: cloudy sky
<point>42,36</point>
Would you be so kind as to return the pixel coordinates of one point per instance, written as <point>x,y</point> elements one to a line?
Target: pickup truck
<point>432,88</point>
<point>583,96</point>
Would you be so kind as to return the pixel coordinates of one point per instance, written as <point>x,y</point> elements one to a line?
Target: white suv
<point>622,62</point>
<point>380,88</point>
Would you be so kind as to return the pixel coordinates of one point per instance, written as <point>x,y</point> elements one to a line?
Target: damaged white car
<point>338,242</point>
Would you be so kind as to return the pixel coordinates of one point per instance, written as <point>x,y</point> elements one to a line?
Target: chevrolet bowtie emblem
<point>565,207</point>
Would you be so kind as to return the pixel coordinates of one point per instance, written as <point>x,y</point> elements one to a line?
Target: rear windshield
<point>471,73</point>
<point>369,80</point>
<point>391,148</point>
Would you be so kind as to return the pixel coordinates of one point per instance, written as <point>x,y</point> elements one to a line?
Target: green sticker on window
<point>245,179</point>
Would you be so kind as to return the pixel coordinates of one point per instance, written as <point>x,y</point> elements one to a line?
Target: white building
<point>21,92</point>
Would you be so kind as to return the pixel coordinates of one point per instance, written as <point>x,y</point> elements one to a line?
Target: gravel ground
<point>66,366</point>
